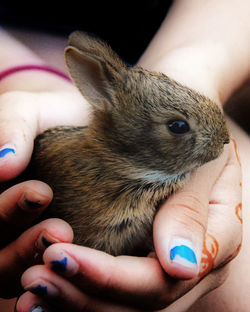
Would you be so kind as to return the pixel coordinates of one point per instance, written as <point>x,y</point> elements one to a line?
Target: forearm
<point>58,100</point>
<point>205,45</point>
<point>14,53</point>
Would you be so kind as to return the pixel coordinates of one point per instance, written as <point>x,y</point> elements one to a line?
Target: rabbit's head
<point>145,117</point>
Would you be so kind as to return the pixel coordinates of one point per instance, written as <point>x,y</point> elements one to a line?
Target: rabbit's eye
<point>178,127</point>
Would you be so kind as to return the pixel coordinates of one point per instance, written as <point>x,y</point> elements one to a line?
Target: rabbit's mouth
<point>210,155</point>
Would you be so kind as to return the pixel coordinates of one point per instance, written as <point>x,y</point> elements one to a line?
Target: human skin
<point>208,39</point>
<point>207,79</point>
<point>18,124</point>
<point>17,96</point>
<point>233,294</point>
<point>209,85</point>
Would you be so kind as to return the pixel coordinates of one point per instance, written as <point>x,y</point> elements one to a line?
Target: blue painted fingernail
<point>6,150</point>
<point>45,242</point>
<point>59,266</point>
<point>32,200</point>
<point>39,290</point>
<point>42,288</point>
<point>182,253</point>
<point>37,308</point>
<point>32,204</point>
<point>66,265</point>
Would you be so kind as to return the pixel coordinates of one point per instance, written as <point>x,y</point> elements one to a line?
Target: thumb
<point>18,127</point>
<point>23,115</point>
<point>181,222</point>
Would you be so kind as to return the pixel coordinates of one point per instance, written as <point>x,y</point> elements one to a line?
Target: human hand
<point>211,88</point>
<point>23,115</point>
<point>21,247</point>
<point>76,278</point>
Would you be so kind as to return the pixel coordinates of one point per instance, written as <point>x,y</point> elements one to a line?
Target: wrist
<point>14,53</point>
<point>193,46</point>
<point>191,66</point>
<point>34,78</point>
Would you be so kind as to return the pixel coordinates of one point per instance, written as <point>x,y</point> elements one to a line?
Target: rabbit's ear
<point>94,46</point>
<point>94,68</point>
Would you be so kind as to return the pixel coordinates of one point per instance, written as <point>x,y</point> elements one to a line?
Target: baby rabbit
<point>146,134</point>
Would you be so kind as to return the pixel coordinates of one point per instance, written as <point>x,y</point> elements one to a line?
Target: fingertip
<point>179,229</point>
<point>56,252</point>
<point>14,158</point>
<point>29,247</point>
<point>29,196</point>
<point>58,229</point>
<point>35,195</point>
<point>21,205</point>
<point>40,188</point>
<point>18,129</point>
<point>179,257</point>
<point>29,302</point>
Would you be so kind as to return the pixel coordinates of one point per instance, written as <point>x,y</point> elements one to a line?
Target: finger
<point>20,206</point>
<point>27,250</point>
<point>138,282</point>
<point>24,115</point>
<point>59,293</point>
<point>181,222</point>
<point>29,302</point>
<point>37,279</point>
<point>53,293</point>
<point>18,127</point>
<point>224,232</point>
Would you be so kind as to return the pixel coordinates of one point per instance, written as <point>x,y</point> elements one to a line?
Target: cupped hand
<point>21,247</point>
<point>203,220</point>
<point>23,115</point>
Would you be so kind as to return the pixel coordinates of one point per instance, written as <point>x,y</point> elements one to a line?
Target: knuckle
<point>20,257</point>
<point>193,211</point>
<point>24,252</point>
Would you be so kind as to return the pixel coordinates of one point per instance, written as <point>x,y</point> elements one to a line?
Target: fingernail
<point>38,308</point>
<point>32,200</point>
<point>7,149</point>
<point>65,265</point>
<point>42,288</point>
<point>46,243</point>
<point>45,240</point>
<point>182,252</point>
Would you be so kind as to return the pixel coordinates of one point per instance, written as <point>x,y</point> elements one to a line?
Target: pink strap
<point>15,69</point>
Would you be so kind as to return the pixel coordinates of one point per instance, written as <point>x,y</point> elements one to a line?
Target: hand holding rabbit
<point>146,135</point>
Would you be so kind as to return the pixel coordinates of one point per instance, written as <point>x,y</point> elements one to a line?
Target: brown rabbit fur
<point>109,178</point>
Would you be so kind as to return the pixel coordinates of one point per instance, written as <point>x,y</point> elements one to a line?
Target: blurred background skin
<point>134,22</point>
